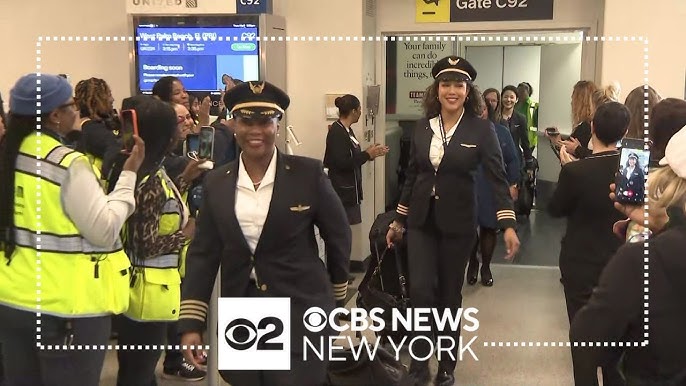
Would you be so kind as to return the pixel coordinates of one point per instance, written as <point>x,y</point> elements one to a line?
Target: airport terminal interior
<point>386,54</point>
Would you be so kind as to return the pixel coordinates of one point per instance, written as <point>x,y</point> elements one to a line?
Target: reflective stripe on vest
<point>164,261</point>
<point>41,168</point>
<point>61,244</point>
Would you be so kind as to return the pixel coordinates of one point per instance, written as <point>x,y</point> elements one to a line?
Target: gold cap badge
<point>257,88</point>
<point>453,62</point>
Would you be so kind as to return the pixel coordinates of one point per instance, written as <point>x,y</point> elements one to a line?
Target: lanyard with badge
<point>444,136</point>
<point>349,131</point>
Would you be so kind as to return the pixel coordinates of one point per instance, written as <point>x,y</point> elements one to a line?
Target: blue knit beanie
<point>54,91</point>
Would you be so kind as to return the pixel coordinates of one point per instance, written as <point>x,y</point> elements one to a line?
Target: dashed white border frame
<point>426,37</point>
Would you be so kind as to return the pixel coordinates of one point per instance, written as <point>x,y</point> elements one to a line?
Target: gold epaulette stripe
<point>195,303</point>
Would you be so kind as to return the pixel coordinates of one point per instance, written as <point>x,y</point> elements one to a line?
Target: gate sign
<point>456,11</point>
<point>254,6</point>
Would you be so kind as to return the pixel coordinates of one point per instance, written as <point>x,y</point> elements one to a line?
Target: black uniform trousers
<point>137,367</point>
<point>25,364</point>
<point>437,263</point>
<point>578,280</point>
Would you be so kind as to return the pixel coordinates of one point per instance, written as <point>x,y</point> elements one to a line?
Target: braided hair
<point>93,98</point>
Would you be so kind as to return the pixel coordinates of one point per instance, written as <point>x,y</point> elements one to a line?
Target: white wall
<point>560,70</point>
<point>523,64</point>
<point>319,68</point>
<point>21,22</point>
<point>489,64</point>
<point>662,22</point>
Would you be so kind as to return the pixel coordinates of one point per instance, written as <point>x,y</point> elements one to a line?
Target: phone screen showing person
<point>206,142</point>
<point>192,143</point>
<point>129,128</point>
<point>631,172</point>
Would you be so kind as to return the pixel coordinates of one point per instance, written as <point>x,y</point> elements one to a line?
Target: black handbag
<point>385,283</point>
<point>383,370</point>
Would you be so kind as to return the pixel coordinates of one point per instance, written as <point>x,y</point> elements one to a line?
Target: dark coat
<point>485,198</point>
<point>581,195</point>
<point>519,129</point>
<point>474,143</point>
<point>286,260</point>
<point>616,311</point>
<point>582,133</point>
<point>344,159</point>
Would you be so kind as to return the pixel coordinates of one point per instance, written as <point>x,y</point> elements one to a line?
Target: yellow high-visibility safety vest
<point>156,281</point>
<point>54,270</point>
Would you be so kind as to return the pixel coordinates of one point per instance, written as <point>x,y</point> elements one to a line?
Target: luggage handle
<point>398,265</point>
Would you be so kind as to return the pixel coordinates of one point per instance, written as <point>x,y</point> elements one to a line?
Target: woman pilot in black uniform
<point>438,200</point>
<point>256,224</point>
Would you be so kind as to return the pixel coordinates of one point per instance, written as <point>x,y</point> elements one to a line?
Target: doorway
<point>550,61</point>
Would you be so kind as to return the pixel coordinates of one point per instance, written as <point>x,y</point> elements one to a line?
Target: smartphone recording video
<point>206,143</point>
<point>631,172</point>
<point>129,128</point>
<point>191,144</point>
<point>552,131</point>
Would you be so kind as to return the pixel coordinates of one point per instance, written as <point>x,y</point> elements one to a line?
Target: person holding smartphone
<point>616,310</point>
<point>85,270</point>
<point>588,242</point>
<point>156,237</point>
<point>438,201</point>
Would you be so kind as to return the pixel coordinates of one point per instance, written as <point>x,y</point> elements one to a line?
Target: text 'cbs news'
<point>267,333</point>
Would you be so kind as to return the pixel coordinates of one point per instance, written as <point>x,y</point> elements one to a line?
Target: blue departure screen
<point>198,56</point>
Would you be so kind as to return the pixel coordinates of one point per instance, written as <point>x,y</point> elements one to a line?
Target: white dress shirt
<point>97,216</point>
<point>436,149</point>
<point>252,205</point>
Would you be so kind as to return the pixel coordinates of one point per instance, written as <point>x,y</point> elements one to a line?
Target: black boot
<point>473,267</point>
<point>486,275</point>
<point>445,375</point>
<point>419,372</point>
<point>488,240</point>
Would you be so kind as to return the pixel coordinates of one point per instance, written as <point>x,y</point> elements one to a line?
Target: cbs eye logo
<point>315,319</point>
<point>242,334</point>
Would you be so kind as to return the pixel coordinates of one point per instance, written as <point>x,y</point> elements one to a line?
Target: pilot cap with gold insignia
<point>453,68</point>
<point>256,99</point>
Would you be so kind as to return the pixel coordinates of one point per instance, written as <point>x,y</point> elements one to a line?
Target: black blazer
<point>581,195</point>
<point>582,132</point>
<point>520,134</point>
<point>615,312</point>
<point>344,160</point>
<point>474,142</point>
<point>636,182</point>
<point>286,259</point>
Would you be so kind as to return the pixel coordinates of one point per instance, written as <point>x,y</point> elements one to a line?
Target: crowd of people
<point>126,243</point>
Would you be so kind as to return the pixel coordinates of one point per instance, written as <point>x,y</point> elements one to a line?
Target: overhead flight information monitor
<point>199,50</point>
